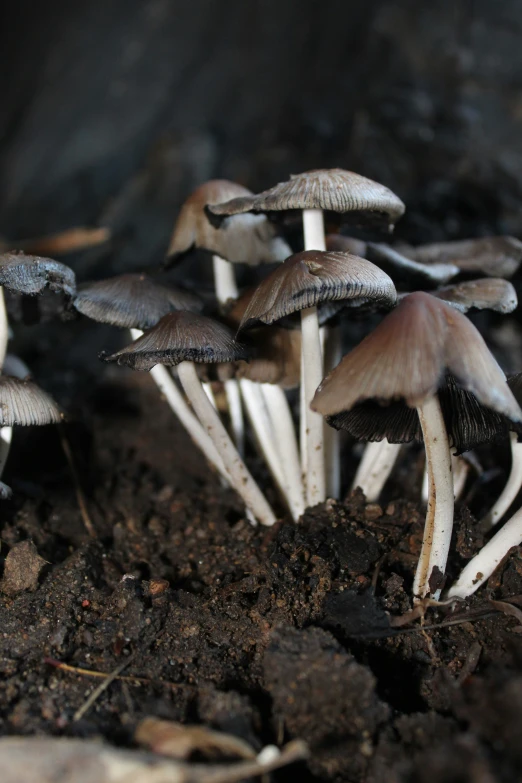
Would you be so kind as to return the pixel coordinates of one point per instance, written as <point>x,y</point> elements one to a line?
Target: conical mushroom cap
<point>180,337</point>
<point>23,402</point>
<point>488,293</point>
<point>495,256</point>
<point>249,239</point>
<point>332,190</point>
<point>468,423</point>
<point>31,274</point>
<point>407,356</point>
<point>307,279</point>
<point>132,301</point>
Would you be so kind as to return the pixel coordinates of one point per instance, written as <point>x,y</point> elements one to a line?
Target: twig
<point>80,497</point>
<point>97,692</point>
<point>93,673</point>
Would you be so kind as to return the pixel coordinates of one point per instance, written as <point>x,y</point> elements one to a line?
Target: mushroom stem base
<point>240,476</point>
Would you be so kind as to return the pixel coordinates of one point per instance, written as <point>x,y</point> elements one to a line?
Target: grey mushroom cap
<point>132,301</point>
<point>248,239</point>
<point>24,274</point>
<point>498,256</point>
<point>407,357</point>
<point>404,270</point>
<point>180,337</point>
<point>22,402</point>
<point>489,293</point>
<point>309,278</point>
<point>333,190</point>
<point>6,493</point>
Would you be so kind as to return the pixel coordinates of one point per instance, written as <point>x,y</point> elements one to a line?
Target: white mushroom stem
<point>376,464</point>
<point>332,437</point>
<point>240,476</point>
<point>312,372</point>
<point>6,433</point>
<point>284,433</point>
<point>460,470</point>
<point>226,289</point>
<point>167,386</point>
<point>480,568</point>
<point>512,488</point>
<point>439,516</point>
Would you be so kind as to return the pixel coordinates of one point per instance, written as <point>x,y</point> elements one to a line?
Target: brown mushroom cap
<point>31,274</point>
<point>249,239</point>
<point>407,356</point>
<point>488,293</point>
<point>132,301</point>
<point>276,357</point>
<point>23,402</point>
<point>494,256</point>
<point>309,278</point>
<point>332,190</point>
<point>179,337</point>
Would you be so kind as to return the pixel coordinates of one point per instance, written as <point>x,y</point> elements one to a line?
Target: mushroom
<point>300,284</point>
<point>249,239</point>
<point>493,256</point>
<point>136,302</point>
<point>342,195</point>
<point>405,359</point>
<point>489,293</point>
<point>69,241</point>
<point>180,339</point>
<point>405,270</point>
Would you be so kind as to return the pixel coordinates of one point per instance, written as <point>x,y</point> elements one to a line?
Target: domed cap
<point>23,402</point>
<point>132,301</point>
<point>180,337</point>
<point>309,278</point>
<point>407,356</point>
<point>31,274</point>
<point>332,190</point>
<point>488,293</point>
<point>249,239</point>
<point>495,256</point>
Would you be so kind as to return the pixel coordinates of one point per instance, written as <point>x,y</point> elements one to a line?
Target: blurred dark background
<point>112,112</point>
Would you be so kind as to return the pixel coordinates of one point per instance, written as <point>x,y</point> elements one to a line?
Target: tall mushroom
<point>406,358</point>
<point>248,239</point>
<point>301,283</point>
<point>180,339</point>
<point>341,195</point>
<point>498,256</point>
<point>136,302</point>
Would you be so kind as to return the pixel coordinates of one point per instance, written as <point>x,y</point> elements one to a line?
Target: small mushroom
<point>301,283</point>
<point>407,271</point>
<point>493,256</point>
<point>132,301</point>
<point>184,338</point>
<point>406,358</point>
<point>31,274</point>
<point>23,403</point>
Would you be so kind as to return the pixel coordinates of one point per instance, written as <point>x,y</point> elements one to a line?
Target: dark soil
<point>266,633</point>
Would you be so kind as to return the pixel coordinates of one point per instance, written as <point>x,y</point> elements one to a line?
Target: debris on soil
<point>22,569</point>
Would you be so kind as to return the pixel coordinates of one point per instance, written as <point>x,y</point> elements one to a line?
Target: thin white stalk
<point>312,371</point>
<point>286,441</point>
<point>226,289</point>
<point>460,470</point>
<point>179,406</point>
<point>376,464</point>
<point>439,517</point>
<point>512,488</point>
<point>240,476</point>
<point>332,438</point>
<point>6,433</point>
<point>480,568</point>
<point>209,391</point>
<point>302,426</point>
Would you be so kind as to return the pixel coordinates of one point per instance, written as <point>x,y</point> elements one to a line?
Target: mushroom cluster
<point>275,351</point>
